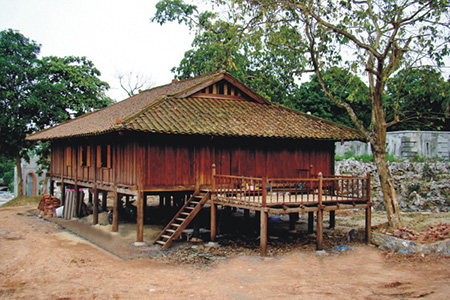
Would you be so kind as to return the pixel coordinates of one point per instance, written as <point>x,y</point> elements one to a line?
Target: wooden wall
<point>169,163</point>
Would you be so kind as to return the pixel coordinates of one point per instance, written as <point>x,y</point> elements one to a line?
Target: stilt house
<point>165,141</point>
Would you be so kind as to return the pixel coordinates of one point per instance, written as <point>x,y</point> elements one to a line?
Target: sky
<point>117,36</point>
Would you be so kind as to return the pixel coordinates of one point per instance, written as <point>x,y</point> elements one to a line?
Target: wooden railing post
<point>213,206</point>
<point>263,219</point>
<point>320,188</point>
<point>213,179</point>
<point>368,212</point>
<point>320,215</point>
<point>264,192</point>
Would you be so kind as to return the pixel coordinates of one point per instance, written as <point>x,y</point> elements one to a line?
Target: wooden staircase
<point>182,219</point>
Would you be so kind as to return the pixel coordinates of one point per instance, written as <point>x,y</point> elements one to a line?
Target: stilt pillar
<point>213,221</point>
<point>332,223</point>
<point>368,224</point>
<point>95,208</point>
<point>140,218</point>
<point>104,201</point>
<point>293,217</point>
<point>263,233</point>
<point>76,211</point>
<point>115,224</point>
<point>310,222</point>
<point>319,229</point>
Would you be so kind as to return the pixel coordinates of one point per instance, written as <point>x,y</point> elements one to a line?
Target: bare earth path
<point>38,260</point>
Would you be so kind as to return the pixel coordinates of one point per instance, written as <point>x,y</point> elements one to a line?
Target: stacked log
<point>48,205</point>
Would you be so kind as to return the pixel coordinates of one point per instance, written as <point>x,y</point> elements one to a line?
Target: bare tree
<point>132,82</point>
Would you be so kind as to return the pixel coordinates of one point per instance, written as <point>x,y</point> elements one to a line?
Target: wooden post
<point>319,226</point>
<point>63,193</point>
<point>263,219</point>
<point>140,217</point>
<point>310,222</point>
<point>213,206</point>
<point>293,217</point>
<point>246,215</point>
<point>263,233</point>
<point>332,219</point>
<point>104,201</point>
<point>115,224</point>
<point>95,208</point>
<point>368,212</point>
<point>77,201</point>
<point>52,188</point>
<point>319,229</point>
<point>264,191</point>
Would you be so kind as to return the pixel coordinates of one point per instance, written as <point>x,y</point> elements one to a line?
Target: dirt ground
<point>39,260</point>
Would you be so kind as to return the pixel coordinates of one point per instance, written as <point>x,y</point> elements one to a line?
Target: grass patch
<point>364,158</point>
<point>22,201</point>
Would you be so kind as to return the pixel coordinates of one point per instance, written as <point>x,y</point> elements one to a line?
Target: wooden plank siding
<point>178,163</point>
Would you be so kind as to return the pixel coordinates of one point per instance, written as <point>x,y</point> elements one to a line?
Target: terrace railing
<point>256,191</point>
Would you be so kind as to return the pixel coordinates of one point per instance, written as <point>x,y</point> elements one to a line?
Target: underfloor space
<point>235,231</point>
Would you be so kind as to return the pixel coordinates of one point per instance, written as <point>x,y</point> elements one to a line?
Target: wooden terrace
<point>291,196</point>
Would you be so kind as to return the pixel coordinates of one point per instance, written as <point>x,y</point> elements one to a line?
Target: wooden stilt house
<point>165,141</point>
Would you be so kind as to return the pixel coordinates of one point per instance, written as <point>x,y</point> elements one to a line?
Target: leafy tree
<point>38,93</point>
<point>312,98</point>
<point>7,172</point>
<point>420,98</point>
<point>373,38</point>
<point>221,44</point>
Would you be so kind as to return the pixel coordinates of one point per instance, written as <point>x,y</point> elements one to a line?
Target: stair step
<point>180,219</point>
<point>161,242</point>
<point>175,224</point>
<point>170,230</point>
<point>166,236</point>
<point>190,207</point>
<point>185,214</point>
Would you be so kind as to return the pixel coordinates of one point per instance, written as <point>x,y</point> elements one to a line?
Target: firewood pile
<point>47,206</point>
<point>433,233</point>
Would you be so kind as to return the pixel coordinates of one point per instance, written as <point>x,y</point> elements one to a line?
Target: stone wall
<point>420,186</point>
<point>405,144</point>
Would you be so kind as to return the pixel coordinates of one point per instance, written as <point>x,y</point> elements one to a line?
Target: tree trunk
<point>19,176</point>
<point>378,144</point>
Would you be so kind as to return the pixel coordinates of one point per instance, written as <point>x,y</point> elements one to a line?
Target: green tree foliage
<point>373,38</point>
<point>223,43</point>
<point>38,93</point>
<point>7,172</point>
<point>419,98</point>
<point>312,98</point>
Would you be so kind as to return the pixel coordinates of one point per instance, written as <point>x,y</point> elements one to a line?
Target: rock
<point>212,245</point>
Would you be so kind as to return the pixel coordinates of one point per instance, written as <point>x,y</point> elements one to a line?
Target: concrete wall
<point>33,184</point>
<point>405,144</point>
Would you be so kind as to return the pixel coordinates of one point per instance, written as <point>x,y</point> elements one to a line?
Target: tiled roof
<point>157,111</point>
<point>104,120</point>
<point>221,117</point>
